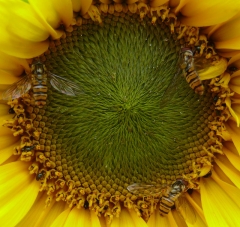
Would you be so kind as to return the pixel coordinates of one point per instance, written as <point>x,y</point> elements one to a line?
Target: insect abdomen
<point>194,81</point>
<point>166,205</point>
<point>40,95</point>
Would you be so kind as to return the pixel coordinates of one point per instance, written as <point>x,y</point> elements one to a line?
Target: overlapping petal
<point>7,142</point>
<point>156,219</point>
<point>83,6</point>
<point>18,192</point>
<point>12,65</point>
<point>19,36</point>
<point>235,132</point>
<point>76,217</point>
<point>156,3</point>
<point>235,82</point>
<point>233,192</point>
<point>228,168</point>
<point>235,61</point>
<point>51,13</point>
<point>227,35</point>
<point>201,13</point>
<point>213,71</point>
<point>128,218</point>
<point>46,13</point>
<point>219,209</point>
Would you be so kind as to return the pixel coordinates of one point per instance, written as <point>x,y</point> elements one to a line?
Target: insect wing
<point>64,86</point>
<point>146,189</point>
<point>186,210</point>
<point>201,64</point>
<point>18,89</point>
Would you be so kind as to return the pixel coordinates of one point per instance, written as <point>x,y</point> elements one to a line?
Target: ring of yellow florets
<point>29,123</point>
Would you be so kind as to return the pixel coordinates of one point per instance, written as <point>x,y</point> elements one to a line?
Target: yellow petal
<point>234,132</point>
<point>210,30</point>
<point>4,108</point>
<point>65,10</point>
<point>226,136</point>
<point>48,16</point>
<point>7,78</point>
<point>72,219</point>
<point>13,65</point>
<point>180,5</point>
<point>4,131</point>
<point>103,221</point>
<point>34,213</point>
<point>232,173</point>
<point>136,220</point>
<point>230,146</point>
<point>41,216</point>
<point>76,4</point>
<point>172,220</point>
<point>176,219</point>
<point>4,115</point>
<point>85,6</point>
<point>82,218</point>
<point>229,30</point>
<point>214,71</point>
<point>231,44</point>
<point>228,53</point>
<point>6,141</point>
<point>133,1</point>
<point>222,175</point>
<point>235,82</point>
<point>173,3</point>
<point>18,192</point>
<point>236,98</point>
<point>204,170</point>
<point>234,110</point>
<point>52,213</point>
<point>21,48</point>
<point>235,60</point>
<point>195,201</point>
<point>7,152</point>
<point>156,3</point>
<point>128,218</point>
<point>23,21</point>
<point>60,220</point>
<point>219,209</point>
<point>76,217</point>
<point>200,13</point>
<point>233,158</point>
<point>88,216</point>
<point>157,220</point>
<point>27,28</point>
<point>232,191</point>
<point>14,41</point>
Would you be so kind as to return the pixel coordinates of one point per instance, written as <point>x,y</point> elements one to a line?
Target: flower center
<point>136,120</point>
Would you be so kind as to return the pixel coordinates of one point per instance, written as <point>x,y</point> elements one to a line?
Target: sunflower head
<point>123,109</point>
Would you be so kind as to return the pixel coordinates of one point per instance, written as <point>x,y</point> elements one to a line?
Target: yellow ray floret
<point>18,193</point>
<point>12,65</point>
<point>215,70</point>
<point>232,191</point>
<point>201,13</point>
<point>234,132</point>
<point>215,203</point>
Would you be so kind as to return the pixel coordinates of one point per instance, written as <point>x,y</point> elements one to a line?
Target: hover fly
<point>173,197</point>
<point>190,72</point>
<point>37,80</point>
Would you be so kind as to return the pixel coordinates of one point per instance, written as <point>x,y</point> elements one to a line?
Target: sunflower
<point>120,113</point>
